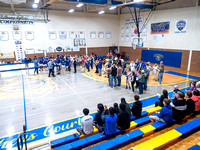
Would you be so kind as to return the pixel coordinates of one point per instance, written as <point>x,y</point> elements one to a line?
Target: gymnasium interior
<point>39,112</point>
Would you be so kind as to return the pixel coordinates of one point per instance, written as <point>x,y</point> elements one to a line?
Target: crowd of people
<point>108,120</point>
<point>180,104</point>
<point>113,67</point>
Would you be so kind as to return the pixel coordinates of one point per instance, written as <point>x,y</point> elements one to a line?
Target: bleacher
<point>140,129</point>
<point>122,138</point>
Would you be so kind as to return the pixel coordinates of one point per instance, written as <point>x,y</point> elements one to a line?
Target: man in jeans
<point>100,66</point>
<point>86,123</point>
<point>160,72</point>
<point>119,75</point>
<point>113,75</point>
<point>146,74</point>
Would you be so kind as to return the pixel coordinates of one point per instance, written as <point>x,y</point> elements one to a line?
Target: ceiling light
<point>36,1</point>
<point>101,12</point>
<point>34,5</point>
<point>71,10</point>
<point>112,7</point>
<point>79,5</point>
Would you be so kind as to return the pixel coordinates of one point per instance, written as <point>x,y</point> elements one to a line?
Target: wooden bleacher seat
<point>169,136</point>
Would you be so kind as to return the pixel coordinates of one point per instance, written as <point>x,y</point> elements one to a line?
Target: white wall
<point>64,21</point>
<point>184,41</point>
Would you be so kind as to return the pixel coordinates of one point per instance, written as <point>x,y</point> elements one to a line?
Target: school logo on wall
<point>58,49</point>
<point>181,26</point>
<point>158,57</point>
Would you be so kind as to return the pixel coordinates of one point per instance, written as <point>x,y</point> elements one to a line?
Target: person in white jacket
<point>132,65</point>
<point>155,70</point>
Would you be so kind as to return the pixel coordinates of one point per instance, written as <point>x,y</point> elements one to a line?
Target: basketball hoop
<point>137,42</point>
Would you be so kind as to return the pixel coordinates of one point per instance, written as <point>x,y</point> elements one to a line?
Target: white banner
<point>181,26</point>
<point>19,53</point>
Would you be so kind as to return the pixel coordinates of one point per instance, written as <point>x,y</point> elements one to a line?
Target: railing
<point>21,136</point>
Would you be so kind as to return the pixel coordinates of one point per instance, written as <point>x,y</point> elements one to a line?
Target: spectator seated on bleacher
<point>196,99</point>
<point>165,114</point>
<point>86,123</point>
<point>136,107</point>
<point>116,109</point>
<point>110,120</point>
<point>128,109</point>
<point>179,107</point>
<point>97,119</point>
<point>161,98</point>
<point>198,86</point>
<point>176,90</point>
<point>190,103</point>
<point>123,118</point>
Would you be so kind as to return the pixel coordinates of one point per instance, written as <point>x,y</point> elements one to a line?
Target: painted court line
<point>72,89</point>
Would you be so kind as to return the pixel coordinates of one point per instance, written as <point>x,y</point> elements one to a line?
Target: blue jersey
<point>67,62</point>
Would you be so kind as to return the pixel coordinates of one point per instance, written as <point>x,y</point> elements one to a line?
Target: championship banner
<point>169,58</point>
<point>19,53</point>
<point>6,55</point>
<point>160,28</point>
<point>181,26</point>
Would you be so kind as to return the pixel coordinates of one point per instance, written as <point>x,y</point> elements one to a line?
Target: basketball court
<point>50,108</point>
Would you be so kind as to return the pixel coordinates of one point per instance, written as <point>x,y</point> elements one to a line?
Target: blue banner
<point>169,58</point>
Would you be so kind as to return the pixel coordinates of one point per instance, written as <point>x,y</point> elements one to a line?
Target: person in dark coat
<point>97,119</point>
<point>161,98</point>
<point>123,118</point>
<point>190,103</point>
<point>128,109</point>
<point>116,109</point>
<point>136,107</point>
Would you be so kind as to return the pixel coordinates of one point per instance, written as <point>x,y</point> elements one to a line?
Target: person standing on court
<point>124,66</point>
<point>160,72</point>
<point>88,65</point>
<point>141,80</point>
<point>36,65</point>
<point>26,61</point>
<point>119,75</point>
<point>113,75</point>
<point>49,65</point>
<point>146,74</point>
<point>100,66</point>
<point>74,63</point>
<point>92,62</point>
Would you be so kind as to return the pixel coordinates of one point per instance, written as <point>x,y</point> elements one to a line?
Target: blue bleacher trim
<point>142,121</point>
<point>195,147</point>
<point>159,125</point>
<point>131,136</point>
<point>64,140</point>
<point>70,138</point>
<point>143,113</point>
<point>189,127</point>
<point>135,134</point>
